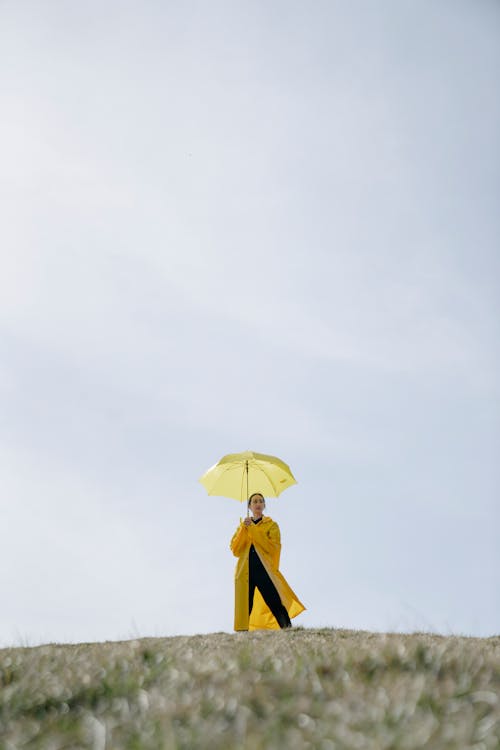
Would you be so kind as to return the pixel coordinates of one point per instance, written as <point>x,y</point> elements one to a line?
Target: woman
<point>263,599</point>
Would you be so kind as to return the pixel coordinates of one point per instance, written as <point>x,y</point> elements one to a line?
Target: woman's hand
<point>247,521</point>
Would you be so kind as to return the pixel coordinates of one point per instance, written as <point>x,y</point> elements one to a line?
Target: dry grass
<point>321,689</point>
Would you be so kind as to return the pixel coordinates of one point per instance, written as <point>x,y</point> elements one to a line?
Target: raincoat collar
<point>265,519</point>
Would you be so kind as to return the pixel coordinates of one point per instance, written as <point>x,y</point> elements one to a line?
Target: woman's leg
<point>260,578</point>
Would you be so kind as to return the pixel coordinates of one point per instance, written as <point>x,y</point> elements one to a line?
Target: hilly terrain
<point>323,689</point>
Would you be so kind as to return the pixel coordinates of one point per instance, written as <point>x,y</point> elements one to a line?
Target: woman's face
<point>257,506</point>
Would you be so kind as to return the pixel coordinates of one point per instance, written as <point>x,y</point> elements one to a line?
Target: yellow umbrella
<point>239,475</point>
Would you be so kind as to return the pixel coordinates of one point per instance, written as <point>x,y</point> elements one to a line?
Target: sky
<point>267,226</point>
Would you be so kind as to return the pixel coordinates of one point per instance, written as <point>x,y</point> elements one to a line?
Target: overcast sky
<point>248,225</point>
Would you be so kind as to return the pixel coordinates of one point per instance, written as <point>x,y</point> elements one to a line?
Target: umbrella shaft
<point>248,509</point>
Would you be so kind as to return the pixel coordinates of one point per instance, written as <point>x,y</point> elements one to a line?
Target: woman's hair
<point>253,495</point>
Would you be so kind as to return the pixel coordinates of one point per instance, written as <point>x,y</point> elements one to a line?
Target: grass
<point>320,689</point>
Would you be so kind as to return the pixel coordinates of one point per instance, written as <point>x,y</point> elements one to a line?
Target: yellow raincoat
<point>266,539</point>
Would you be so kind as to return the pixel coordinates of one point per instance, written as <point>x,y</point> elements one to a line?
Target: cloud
<point>254,228</point>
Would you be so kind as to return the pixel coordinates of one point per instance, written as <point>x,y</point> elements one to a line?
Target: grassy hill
<point>321,689</point>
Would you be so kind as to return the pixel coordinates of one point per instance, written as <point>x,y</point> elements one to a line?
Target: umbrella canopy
<point>239,475</point>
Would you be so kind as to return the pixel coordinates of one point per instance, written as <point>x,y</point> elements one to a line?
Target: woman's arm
<point>268,539</point>
<point>240,540</point>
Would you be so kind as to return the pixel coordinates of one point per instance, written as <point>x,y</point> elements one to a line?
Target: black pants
<point>258,577</point>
